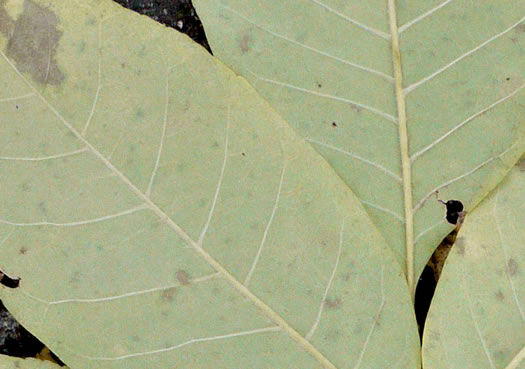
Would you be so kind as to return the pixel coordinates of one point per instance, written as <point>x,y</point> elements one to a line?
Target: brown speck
<point>334,124</point>
<point>183,277</point>
<point>42,207</point>
<point>26,187</point>
<point>521,164</point>
<point>243,154</point>
<point>507,79</point>
<point>169,294</point>
<point>319,85</point>
<point>460,246</point>
<point>512,267</point>
<point>356,108</point>
<point>333,303</point>
<point>245,43</point>
<point>23,251</point>
<point>434,336</point>
<point>75,278</point>
<point>500,296</point>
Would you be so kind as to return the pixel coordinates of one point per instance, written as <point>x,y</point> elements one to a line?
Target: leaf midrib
<point>403,145</point>
<point>243,290</point>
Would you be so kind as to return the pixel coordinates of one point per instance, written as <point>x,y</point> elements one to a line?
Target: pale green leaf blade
<point>9,362</point>
<point>327,67</point>
<point>477,316</point>
<point>160,214</point>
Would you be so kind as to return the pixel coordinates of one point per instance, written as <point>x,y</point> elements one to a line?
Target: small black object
<point>334,124</point>
<point>454,208</point>
<point>8,281</point>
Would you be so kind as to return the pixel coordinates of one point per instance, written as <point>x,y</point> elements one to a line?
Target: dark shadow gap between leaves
<point>428,280</point>
<point>16,341</point>
<point>177,14</point>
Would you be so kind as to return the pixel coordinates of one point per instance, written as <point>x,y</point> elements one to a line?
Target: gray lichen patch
<point>33,42</point>
<point>7,24</point>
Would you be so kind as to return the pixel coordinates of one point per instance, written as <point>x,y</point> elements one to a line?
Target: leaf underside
<point>329,67</point>
<point>477,318</point>
<point>159,213</point>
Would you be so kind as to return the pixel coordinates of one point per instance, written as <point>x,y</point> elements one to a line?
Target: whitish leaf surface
<point>402,98</point>
<point>9,362</point>
<point>160,214</point>
<point>477,317</point>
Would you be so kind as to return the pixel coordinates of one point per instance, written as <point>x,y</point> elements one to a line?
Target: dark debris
<point>178,14</point>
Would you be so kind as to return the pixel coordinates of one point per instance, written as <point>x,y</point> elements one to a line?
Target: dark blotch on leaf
<point>333,303</point>
<point>334,124</point>
<point>512,266</point>
<point>521,164</point>
<point>183,277</point>
<point>245,43</point>
<point>169,294</point>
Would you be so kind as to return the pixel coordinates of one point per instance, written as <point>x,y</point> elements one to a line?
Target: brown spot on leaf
<point>356,108</point>
<point>42,207</point>
<point>333,303</point>
<point>169,294</point>
<point>22,251</point>
<point>245,43</point>
<point>499,295</point>
<point>521,164</point>
<point>183,277</point>
<point>33,44</point>
<point>512,266</point>
<point>460,246</point>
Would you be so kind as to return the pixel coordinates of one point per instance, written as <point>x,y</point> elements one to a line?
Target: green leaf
<point>477,317</point>
<point>9,362</point>
<point>160,214</point>
<point>402,98</point>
